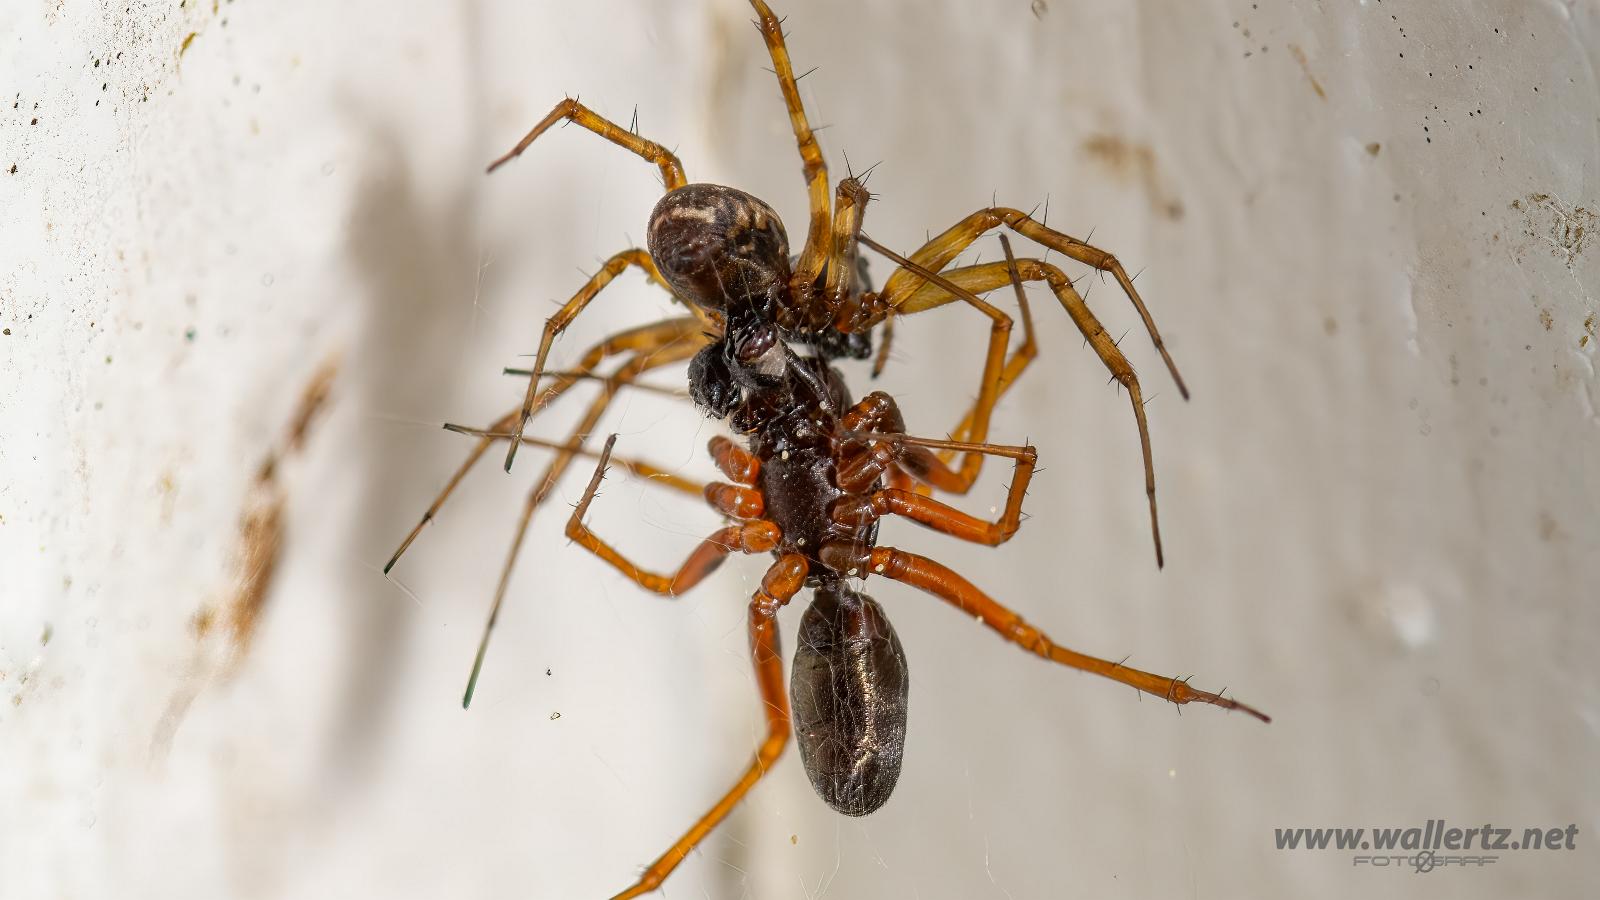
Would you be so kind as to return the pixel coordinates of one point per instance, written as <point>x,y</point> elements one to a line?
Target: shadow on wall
<point>411,256</point>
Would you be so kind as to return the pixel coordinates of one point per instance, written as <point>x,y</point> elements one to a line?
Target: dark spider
<point>817,470</point>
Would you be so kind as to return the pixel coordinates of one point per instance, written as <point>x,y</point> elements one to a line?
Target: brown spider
<point>818,471</point>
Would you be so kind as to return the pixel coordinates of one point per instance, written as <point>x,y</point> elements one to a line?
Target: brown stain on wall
<point>1305,66</point>
<point>224,630</point>
<point>261,525</point>
<point>1135,163</point>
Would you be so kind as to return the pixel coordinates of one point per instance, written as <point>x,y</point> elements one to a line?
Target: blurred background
<point>1367,231</point>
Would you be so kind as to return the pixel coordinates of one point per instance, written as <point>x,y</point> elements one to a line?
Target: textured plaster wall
<point>1366,229</point>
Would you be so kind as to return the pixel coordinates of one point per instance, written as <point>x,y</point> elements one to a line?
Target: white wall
<point>1378,507</point>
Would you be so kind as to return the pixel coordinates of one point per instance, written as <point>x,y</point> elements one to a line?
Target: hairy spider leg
<point>749,537</point>
<point>681,349</point>
<point>1012,369</point>
<point>778,586</point>
<point>815,254</point>
<point>938,253</point>
<point>643,339</point>
<point>858,508</point>
<point>1018,363</point>
<point>663,390</point>
<point>573,111</point>
<point>910,468</point>
<point>927,575</point>
<point>912,297</point>
<point>1025,353</point>
<point>563,317</point>
<point>638,468</point>
<point>873,307</point>
<point>839,282</point>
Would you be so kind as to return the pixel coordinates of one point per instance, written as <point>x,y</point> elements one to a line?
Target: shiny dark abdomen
<point>849,690</point>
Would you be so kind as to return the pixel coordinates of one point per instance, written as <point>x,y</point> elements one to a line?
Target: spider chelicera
<point>816,470</point>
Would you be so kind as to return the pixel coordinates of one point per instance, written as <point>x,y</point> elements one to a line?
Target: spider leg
<point>645,339</point>
<point>750,537</point>
<point>636,467</point>
<point>938,253</point>
<point>662,390</point>
<point>947,585</point>
<point>1025,352</point>
<point>928,291</point>
<point>814,256</point>
<point>993,276</point>
<point>733,460</point>
<point>683,348</point>
<point>563,318</point>
<point>979,279</point>
<point>782,581</point>
<point>862,509</point>
<point>991,380</point>
<point>573,111</point>
<point>839,283</point>
<point>886,340</point>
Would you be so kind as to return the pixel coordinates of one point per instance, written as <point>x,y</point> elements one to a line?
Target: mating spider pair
<point>817,471</point>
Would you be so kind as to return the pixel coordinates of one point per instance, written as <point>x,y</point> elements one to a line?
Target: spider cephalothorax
<point>816,471</point>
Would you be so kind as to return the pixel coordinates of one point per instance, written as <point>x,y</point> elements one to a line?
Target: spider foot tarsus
<point>1179,693</point>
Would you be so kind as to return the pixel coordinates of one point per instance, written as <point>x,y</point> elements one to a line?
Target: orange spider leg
<point>873,308</point>
<point>750,537</point>
<point>1020,358</point>
<point>573,111</point>
<point>885,341</point>
<point>927,575</point>
<point>645,339</point>
<point>683,347</point>
<point>901,480</point>
<point>814,257</point>
<point>937,253</point>
<point>638,468</point>
<point>569,311</point>
<point>914,298</point>
<point>959,284</point>
<point>886,451</point>
<point>1024,354</point>
<point>782,581</point>
<point>662,390</point>
<point>839,285</point>
<point>884,455</point>
<point>979,279</point>
<point>733,460</point>
<point>735,501</point>
<point>1009,372</point>
<point>862,509</point>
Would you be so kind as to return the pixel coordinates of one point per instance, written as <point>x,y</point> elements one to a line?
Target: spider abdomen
<point>719,246</point>
<point>848,689</point>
